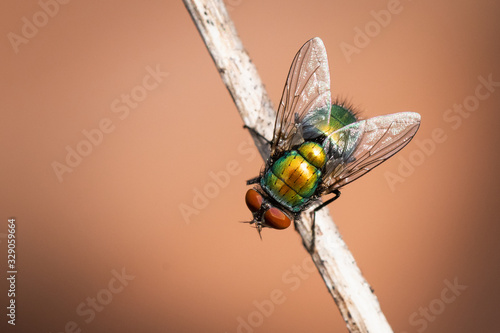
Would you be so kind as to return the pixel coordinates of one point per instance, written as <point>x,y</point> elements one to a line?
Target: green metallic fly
<point>318,146</point>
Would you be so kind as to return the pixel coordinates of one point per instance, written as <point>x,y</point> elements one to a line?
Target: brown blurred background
<point>425,220</point>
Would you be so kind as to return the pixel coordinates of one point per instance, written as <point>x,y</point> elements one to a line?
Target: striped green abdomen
<point>294,177</point>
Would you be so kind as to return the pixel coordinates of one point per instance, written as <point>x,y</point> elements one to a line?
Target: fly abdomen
<point>294,177</point>
<point>281,192</point>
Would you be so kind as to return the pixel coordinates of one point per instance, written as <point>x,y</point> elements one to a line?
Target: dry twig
<point>352,294</point>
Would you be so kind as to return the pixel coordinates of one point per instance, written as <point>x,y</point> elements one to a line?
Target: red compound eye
<point>275,218</point>
<point>253,200</point>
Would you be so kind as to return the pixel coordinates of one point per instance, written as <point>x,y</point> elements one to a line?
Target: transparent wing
<point>358,148</point>
<point>307,89</point>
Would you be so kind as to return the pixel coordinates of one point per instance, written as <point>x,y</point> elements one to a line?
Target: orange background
<point>120,207</point>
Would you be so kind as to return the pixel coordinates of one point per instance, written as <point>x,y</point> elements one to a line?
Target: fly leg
<point>329,201</point>
<point>313,217</point>
<point>254,180</point>
<point>253,131</point>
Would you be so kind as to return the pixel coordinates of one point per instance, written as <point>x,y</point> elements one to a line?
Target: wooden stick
<point>352,294</point>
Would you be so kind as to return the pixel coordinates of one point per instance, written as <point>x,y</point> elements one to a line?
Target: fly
<point>318,146</point>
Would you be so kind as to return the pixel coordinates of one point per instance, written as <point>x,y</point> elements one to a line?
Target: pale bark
<point>357,303</point>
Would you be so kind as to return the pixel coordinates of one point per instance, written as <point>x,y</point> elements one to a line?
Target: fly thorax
<point>323,122</point>
<point>340,116</point>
